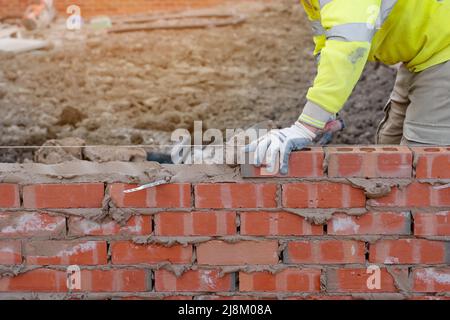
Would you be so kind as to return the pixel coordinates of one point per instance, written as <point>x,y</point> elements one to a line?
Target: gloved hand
<point>279,144</point>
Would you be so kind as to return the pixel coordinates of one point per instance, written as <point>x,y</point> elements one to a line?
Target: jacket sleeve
<point>349,28</point>
<point>312,9</point>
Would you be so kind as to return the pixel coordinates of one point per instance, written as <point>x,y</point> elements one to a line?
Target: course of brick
<point>91,8</point>
<point>310,235</point>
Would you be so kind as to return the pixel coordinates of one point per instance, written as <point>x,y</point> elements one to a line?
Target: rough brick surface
<point>289,280</point>
<point>260,223</point>
<point>240,253</point>
<point>126,252</point>
<point>66,252</point>
<point>325,252</point>
<point>370,162</point>
<point>372,223</point>
<point>136,226</point>
<point>194,281</point>
<point>305,164</point>
<point>40,280</point>
<point>322,195</point>
<point>432,224</point>
<point>415,195</point>
<point>431,279</point>
<point>9,195</point>
<point>10,252</point>
<point>118,280</point>
<point>211,223</point>
<point>85,195</point>
<point>432,163</point>
<point>409,251</point>
<point>235,195</point>
<point>31,224</point>
<point>50,280</point>
<point>356,280</point>
<point>312,235</point>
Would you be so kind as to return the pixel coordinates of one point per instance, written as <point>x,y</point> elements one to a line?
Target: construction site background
<point>92,8</point>
<point>137,87</point>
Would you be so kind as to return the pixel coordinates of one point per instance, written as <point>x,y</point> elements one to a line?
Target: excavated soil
<point>135,88</point>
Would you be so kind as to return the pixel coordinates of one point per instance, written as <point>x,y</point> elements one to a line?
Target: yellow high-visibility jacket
<point>348,33</point>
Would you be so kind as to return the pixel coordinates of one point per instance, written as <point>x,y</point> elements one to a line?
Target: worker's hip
<point>419,108</point>
<point>428,115</point>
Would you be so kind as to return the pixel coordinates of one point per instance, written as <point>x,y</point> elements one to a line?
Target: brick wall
<point>311,235</point>
<point>110,7</point>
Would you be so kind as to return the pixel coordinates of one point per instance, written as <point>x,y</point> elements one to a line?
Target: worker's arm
<point>349,28</point>
<point>312,9</point>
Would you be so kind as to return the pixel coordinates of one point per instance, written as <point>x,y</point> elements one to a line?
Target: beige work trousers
<point>418,111</point>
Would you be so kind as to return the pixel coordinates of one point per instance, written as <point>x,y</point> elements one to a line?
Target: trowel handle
<point>335,126</point>
<point>331,128</point>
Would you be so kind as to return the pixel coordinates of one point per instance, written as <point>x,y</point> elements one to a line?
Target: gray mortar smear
<point>80,171</point>
<point>187,240</point>
<point>400,279</point>
<point>378,188</point>
<point>120,172</point>
<point>14,271</point>
<point>169,241</point>
<point>322,216</point>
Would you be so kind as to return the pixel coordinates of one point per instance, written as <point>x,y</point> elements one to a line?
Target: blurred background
<point>114,72</point>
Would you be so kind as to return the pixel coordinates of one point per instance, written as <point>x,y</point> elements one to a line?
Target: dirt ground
<point>136,88</point>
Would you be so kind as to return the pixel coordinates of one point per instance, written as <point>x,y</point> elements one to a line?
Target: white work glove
<point>278,144</point>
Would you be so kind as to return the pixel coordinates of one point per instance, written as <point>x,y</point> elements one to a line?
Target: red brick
<point>177,298</point>
<point>277,224</point>
<point>322,195</point>
<point>66,252</point>
<point>355,280</point>
<point>214,223</point>
<point>235,297</point>
<point>136,225</point>
<point>369,162</point>
<point>39,280</point>
<point>120,280</point>
<point>432,224</point>
<point>415,195</point>
<point>321,297</point>
<point>431,280</point>
<point>193,281</point>
<point>9,195</point>
<point>164,196</point>
<point>31,224</point>
<point>303,164</point>
<point>47,280</point>
<point>429,298</point>
<point>288,280</point>
<point>325,252</point>
<point>155,297</point>
<point>235,195</point>
<point>373,223</point>
<point>10,252</point>
<point>127,252</point>
<point>243,252</point>
<point>83,195</point>
<point>408,251</point>
<point>432,162</point>
<point>307,163</point>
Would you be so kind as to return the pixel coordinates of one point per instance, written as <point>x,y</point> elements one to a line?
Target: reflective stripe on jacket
<point>348,33</point>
